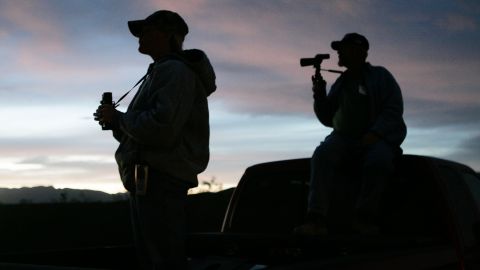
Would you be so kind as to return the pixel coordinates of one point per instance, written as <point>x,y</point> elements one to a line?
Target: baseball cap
<point>164,19</point>
<point>351,39</point>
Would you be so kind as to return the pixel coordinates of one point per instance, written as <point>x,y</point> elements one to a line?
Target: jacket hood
<point>198,61</point>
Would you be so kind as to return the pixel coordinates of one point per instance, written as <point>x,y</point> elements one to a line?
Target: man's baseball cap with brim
<point>351,39</point>
<point>163,19</point>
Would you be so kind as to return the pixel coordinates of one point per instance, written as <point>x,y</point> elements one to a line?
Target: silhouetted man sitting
<point>364,106</point>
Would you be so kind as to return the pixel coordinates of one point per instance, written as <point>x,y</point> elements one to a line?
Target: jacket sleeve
<point>389,123</point>
<point>326,106</point>
<point>117,133</point>
<point>170,99</point>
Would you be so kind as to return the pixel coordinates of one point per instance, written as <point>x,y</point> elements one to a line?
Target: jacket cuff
<point>117,117</point>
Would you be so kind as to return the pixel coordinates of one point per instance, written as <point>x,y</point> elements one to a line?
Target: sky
<point>58,56</point>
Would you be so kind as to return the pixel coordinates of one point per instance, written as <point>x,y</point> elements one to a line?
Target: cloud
<point>426,113</point>
<point>185,8</point>
<point>3,34</point>
<point>54,48</point>
<point>471,148</point>
<point>241,140</point>
<point>458,23</point>
<point>32,28</point>
<point>22,17</point>
<point>468,152</point>
<point>260,59</point>
<point>75,163</point>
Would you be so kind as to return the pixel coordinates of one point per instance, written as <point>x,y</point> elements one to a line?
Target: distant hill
<point>59,226</point>
<point>50,194</point>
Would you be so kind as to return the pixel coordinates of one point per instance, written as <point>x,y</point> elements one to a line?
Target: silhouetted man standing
<point>164,138</point>
<point>365,107</point>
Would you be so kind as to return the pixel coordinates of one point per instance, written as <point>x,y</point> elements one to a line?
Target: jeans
<point>331,161</point>
<point>159,223</point>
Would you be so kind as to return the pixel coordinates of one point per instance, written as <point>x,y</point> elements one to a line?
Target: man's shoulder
<point>379,72</point>
<point>376,69</point>
<point>171,63</point>
<point>170,68</point>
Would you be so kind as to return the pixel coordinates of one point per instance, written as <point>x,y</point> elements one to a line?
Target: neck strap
<point>150,68</point>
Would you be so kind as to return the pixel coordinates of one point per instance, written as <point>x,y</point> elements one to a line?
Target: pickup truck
<point>430,220</point>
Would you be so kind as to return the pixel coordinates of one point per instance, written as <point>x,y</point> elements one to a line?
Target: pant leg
<point>326,162</point>
<point>376,171</point>
<point>159,221</point>
<point>138,234</point>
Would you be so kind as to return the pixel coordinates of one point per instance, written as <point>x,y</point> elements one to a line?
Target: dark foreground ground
<point>59,226</point>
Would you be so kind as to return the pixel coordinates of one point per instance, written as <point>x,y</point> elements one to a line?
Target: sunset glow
<point>59,56</point>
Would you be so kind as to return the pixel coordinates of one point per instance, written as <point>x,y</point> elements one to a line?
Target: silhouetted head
<point>352,50</point>
<point>161,33</point>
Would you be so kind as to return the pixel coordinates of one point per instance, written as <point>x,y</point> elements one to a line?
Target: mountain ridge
<point>49,194</point>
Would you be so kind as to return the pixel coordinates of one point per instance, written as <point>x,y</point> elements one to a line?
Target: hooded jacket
<point>166,125</point>
<point>385,101</point>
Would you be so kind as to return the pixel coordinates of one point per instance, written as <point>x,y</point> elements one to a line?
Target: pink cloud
<point>184,8</point>
<point>43,40</point>
<point>348,8</point>
<point>23,15</point>
<point>270,38</point>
